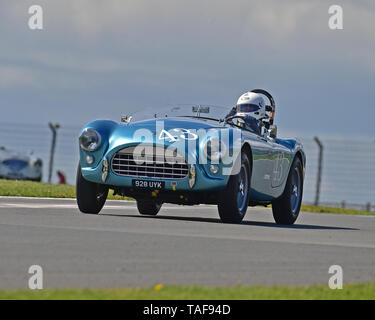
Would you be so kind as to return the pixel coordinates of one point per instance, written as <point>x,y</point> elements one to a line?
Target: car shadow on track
<point>243,223</point>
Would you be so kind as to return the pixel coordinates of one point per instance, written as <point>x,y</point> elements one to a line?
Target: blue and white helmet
<point>251,104</point>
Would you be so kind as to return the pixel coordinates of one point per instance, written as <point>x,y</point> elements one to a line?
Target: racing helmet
<point>251,104</point>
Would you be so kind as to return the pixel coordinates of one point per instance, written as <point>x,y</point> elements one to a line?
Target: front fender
<point>105,129</point>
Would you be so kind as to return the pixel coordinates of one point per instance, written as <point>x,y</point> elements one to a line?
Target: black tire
<point>286,209</point>
<point>91,196</point>
<point>234,200</point>
<point>148,207</point>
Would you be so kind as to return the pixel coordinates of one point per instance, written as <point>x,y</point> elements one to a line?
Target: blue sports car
<point>193,154</point>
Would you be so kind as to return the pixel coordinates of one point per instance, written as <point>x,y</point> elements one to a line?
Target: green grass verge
<point>36,189</point>
<point>160,292</point>
<point>17,188</point>
<point>334,210</point>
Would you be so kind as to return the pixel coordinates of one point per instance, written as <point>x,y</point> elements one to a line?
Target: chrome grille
<point>150,163</point>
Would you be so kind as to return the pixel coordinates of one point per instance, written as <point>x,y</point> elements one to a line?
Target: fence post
<point>54,128</point>
<point>320,164</point>
<point>368,207</point>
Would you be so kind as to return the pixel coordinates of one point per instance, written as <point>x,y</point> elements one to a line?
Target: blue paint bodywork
<point>271,158</point>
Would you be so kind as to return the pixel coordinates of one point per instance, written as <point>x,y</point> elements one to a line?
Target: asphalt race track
<point>182,245</point>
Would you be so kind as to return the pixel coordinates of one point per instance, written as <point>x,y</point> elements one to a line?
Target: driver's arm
<point>254,125</point>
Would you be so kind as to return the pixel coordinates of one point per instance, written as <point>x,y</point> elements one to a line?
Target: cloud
<point>183,30</point>
<point>126,53</point>
<point>14,76</point>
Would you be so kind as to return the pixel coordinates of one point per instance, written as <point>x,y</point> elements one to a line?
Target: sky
<point>99,59</point>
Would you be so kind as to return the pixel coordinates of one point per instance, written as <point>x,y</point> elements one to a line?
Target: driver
<point>251,106</point>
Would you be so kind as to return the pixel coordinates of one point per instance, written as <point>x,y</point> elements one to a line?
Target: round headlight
<point>89,140</point>
<point>215,149</point>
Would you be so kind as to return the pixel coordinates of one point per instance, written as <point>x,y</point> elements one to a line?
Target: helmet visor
<point>248,107</point>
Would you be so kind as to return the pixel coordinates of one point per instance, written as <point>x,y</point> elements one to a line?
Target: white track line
<point>74,206</point>
<point>34,198</point>
<point>45,198</point>
<point>49,206</point>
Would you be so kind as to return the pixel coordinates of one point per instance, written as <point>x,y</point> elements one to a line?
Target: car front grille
<point>151,162</point>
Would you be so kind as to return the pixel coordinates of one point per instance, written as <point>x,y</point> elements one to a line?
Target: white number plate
<point>148,184</point>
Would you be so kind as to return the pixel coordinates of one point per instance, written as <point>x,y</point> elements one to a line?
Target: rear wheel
<point>234,199</point>
<point>148,207</point>
<point>286,209</point>
<point>91,196</point>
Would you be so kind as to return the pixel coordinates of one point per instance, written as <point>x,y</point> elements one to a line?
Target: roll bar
<point>271,107</point>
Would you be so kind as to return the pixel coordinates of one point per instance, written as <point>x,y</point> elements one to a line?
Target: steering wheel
<point>234,117</point>
<point>230,119</point>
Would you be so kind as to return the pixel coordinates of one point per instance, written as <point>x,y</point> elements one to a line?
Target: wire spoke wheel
<point>243,186</point>
<point>295,192</point>
<point>234,199</point>
<point>286,209</point>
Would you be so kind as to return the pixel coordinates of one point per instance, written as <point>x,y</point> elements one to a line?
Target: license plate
<point>148,184</point>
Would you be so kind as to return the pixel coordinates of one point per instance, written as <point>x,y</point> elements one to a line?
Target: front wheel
<point>286,209</point>
<point>234,200</point>
<point>148,207</point>
<point>90,196</point>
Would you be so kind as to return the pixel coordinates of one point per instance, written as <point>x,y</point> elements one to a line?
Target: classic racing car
<point>20,166</point>
<point>188,155</point>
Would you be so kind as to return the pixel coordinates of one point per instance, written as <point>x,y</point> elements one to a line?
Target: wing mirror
<point>126,119</point>
<point>273,131</point>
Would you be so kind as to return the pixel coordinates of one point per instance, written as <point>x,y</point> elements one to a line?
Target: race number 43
<point>184,134</point>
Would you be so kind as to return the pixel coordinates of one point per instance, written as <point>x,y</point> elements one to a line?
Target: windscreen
<point>195,111</point>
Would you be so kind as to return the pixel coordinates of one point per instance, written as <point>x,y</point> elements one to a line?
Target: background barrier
<point>348,166</point>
